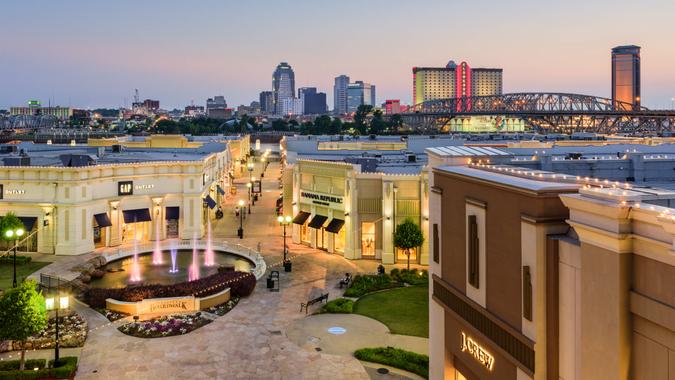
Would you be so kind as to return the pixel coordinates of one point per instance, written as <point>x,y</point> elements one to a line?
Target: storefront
<point>338,209</point>
<point>73,210</point>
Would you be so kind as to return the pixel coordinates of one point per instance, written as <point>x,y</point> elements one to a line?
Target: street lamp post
<point>250,170</point>
<point>62,305</point>
<point>241,219</point>
<point>14,235</point>
<point>250,189</point>
<point>253,193</point>
<point>284,221</point>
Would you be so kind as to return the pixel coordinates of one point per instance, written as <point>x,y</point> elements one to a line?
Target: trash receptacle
<point>270,283</point>
<point>288,266</point>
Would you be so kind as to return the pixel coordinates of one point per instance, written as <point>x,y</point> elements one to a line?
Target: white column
<point>388,221</point>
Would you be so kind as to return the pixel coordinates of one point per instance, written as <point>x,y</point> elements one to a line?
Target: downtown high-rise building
<point>340,94</point>
<point>626,75</point>
<point>451,81</point>
<point>360,93</point>
<point>267,102</point>
<point>313,102</point>
<point>283,85</point>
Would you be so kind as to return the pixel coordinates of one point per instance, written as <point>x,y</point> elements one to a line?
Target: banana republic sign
<point>322,199</point>
<point>479,353</point>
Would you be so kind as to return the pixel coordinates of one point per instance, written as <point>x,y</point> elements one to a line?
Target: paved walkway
<point>256,339</point>
<point>360,332</point>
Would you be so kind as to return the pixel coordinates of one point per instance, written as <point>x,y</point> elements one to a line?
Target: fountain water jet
<point>174,253</point>
<point>193,271</point>
<point>209,260</point>
<point>157,253</point>
<point>135,266</point>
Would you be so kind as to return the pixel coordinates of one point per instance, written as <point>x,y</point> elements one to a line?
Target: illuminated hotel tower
<point>431,83</point>
<point>626,75</point>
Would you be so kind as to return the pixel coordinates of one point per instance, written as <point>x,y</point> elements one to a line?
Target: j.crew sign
<point>477,351</point>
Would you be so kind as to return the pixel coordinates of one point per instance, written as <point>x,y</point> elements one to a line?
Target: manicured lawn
<point>22,271</point>
<point>404,310</point>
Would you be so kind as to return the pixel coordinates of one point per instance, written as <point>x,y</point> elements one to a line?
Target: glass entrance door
<point>368,239</point>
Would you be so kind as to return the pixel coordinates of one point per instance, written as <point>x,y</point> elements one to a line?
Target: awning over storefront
<point>220,190</point>
<point>103,219</point>
<point>28,222</point>
<point>172,212</point>
<point>301,217</point>
<point>137,215</point>
<point>318,221</point>
<point>335,225</point>
<point>209,201</point>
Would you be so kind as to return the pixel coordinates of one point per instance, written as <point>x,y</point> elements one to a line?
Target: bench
<point>306,305</point>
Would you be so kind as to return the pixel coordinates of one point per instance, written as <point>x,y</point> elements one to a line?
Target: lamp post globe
<point>240,232</point>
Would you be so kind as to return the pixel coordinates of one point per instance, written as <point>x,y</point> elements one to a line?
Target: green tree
<point>9,222</point>
<point>395,123</point>
<point>279,125</point>
<point>22,314</point>
<point>377,124</point>
<point>167,127</point>
<point>360,117</point>
<point>243,124</point>
<point>408,235</point>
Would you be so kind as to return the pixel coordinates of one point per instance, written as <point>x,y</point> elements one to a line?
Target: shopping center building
<point>351,209</point>
<point>73,199</point>
<point>347,195</point>
<point>545,275</point>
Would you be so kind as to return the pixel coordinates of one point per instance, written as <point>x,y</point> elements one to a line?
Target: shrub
<point>241,284</point>
<point>397,358</point>
<point>411,276</point>
<point>363,284</point>
<point>30,363</point>
<point>9,259</point>
<point>338,305</point>
<point>65,371</point>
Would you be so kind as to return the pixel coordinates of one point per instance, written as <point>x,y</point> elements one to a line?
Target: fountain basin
<point>118,271</point>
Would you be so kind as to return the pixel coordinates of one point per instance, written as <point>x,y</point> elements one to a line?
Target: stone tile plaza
<point>337,190</point>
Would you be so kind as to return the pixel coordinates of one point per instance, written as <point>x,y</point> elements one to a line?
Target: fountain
<point>193,271</point>
<point>174,253</point>
<point>157,253</point>
<point>208,253</point>
<point>135,267</point>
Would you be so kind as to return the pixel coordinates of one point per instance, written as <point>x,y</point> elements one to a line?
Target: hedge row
<point>366,283</point>
<point>241,284</point>
<point>9,259</point>
<point>65,371</point>
<point>397,358</point>
<point>338,305</point>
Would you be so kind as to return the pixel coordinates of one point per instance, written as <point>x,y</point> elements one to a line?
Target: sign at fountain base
<point>168,305</point>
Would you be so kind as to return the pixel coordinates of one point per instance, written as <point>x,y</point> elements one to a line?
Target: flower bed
<point>241,284</point>
<point>223,308</point>
<point>72,333</point>
<point>165,326</point>
<point>112,315</point>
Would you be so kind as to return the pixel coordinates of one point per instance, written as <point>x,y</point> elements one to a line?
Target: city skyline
<point>178,55</point>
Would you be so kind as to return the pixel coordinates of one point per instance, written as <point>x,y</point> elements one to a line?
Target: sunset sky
<point>85,53</point>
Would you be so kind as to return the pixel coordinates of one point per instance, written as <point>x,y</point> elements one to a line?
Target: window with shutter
<point>474,252</point>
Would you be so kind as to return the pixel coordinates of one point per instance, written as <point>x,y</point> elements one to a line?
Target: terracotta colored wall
<point>503,248</point>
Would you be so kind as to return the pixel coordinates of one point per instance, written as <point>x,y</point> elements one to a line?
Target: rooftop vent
<point>77,160</point>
